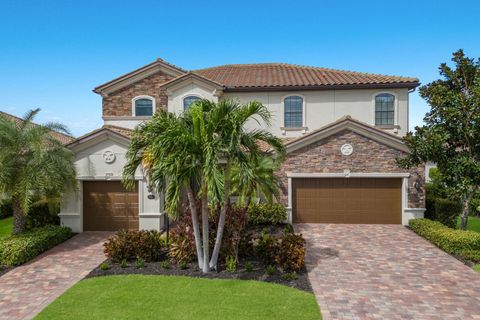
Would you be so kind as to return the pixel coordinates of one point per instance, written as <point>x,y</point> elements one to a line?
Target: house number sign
<point>108,156</point>
<point>346,149</point>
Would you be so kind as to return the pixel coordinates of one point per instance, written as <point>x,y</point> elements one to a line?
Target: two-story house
<point>342,132</point>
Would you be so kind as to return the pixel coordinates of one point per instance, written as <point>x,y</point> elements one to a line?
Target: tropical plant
<point>450,136</point>
<point>199,148</point>
<point>259,184</point>
<point>35,165</point>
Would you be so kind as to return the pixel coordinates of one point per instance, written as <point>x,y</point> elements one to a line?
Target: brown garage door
<point>107,206</point>
<point>347,200</point>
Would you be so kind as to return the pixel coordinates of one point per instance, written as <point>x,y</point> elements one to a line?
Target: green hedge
<point>18,249</point>
<point>266,214</point>
<point>465,244</point>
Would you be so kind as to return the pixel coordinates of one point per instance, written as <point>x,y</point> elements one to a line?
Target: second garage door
<point>107,206</point>
<point>347,200</point>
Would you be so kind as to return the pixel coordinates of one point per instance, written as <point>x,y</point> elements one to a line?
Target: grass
<point>473,223</point>
<point>476,267</point>
<point>169,297</point>
<point>6,226</point>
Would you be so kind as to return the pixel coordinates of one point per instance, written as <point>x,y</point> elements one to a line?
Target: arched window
<point>384,109</point>
<point>187,101</point>
<point>293,112</point>
<point>143,107</point>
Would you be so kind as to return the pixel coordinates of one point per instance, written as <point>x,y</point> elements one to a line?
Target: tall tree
<point>34,164</point>
<point>199,147</point>
<point>450,136</point>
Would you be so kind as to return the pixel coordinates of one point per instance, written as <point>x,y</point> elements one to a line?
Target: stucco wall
<point>368,156</point>
<point>325,106</point>
<point>177,94</point>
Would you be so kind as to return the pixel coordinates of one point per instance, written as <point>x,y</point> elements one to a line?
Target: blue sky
<point>52,53</point>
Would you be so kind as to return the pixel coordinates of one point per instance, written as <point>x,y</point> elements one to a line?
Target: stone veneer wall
<point>119,103</point>
<point>324,156</point>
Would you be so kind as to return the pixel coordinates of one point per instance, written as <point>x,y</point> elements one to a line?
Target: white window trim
<point>395,107</point>
<point>189,95</point>
<point>143,97</point>
<point>304,114</point>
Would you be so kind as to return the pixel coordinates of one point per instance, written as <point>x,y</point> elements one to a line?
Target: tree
<point>34,164</point>
<point>199,148</point>
<point>450,136</point>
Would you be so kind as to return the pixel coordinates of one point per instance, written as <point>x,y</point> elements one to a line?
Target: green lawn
<point>6,227</point>
<point>476,267</point>
<point>164,297</point>
<point>473,223</point>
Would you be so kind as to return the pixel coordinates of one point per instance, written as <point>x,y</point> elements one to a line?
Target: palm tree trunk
<point>205,232</point>
<point>19,220</point>
<point>465,209</point>
<point>221,220</point>
<point>196,226</point>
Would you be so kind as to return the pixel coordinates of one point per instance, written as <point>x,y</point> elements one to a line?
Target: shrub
<point>291,252</point>
<point>231,264</point>
<point>465,244</point>
<point>6,209</point>
<point>18,249</point>
<point>290,276</point>
<point>248,266</point>
<point>104,266</point>
<point>165,264</point>
<point>266,247</point>
<point>183,265</point>
<point>140,263</point>
<point>447,211</point>
<point>144,244</point>
<point>43,214</point>
<point>235,222</point>
<point>271,270</point>
<point>267,214</point>
<point>182,240</point>
<point>124,264</point>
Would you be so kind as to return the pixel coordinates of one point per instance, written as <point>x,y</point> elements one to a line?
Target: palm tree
<point>261,183</point>
<point>34,164</point>
<point>199,147</point>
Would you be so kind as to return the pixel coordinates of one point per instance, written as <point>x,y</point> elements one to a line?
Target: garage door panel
<point>108,206</point>
<point>342,200</point>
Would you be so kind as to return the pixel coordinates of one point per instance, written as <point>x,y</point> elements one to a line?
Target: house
<point>342,132</point>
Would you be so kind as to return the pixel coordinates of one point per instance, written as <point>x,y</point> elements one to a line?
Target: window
<point>143,107</point>
<point>384,109</point>
<point>293,112</point>
<point>187,101</point>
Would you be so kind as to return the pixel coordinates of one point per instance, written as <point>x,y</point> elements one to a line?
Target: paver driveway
<point>26,290</point>
<point>386,272</point>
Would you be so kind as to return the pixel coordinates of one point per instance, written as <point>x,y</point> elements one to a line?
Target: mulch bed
<point>258,273</point>
<point>4,269</point>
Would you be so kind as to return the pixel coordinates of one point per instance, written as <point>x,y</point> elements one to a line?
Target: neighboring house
<point>342,131</point>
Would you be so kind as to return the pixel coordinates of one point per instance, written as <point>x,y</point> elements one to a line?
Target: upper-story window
<point>143,107</point>
<point>385,109</point>
<point>293,112</point>
<point>187,101</point>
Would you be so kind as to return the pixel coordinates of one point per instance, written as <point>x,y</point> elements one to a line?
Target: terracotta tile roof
<point>127,133</point>
<point>283,75</point>
<point>63,138</point>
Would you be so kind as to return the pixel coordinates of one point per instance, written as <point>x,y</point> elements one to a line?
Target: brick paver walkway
<point>26,290</point>
<point>386,272</point>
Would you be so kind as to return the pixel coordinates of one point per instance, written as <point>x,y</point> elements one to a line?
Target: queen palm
<point>199,147</point>
<point>34,165</point>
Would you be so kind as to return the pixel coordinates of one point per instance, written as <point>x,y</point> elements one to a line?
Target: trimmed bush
<point>145,245</point>
<point>291,252</point>
<point>465,244</point>
<point>42,215</point>
<point>266,248</point>
<point>6,209</point>
<point>447,211</point>
<point>267,214</point>
<point>18,249</point>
